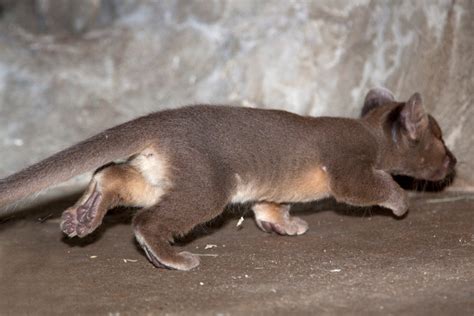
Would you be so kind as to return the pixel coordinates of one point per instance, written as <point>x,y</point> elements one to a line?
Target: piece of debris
<point>239,223</point>
<point>43,219</point>
<point>335,270</point>
<point>201,283</point>
<point>93,257</point>
<point>129,260</point>
<point>206,254</point>
<point>210,246</point>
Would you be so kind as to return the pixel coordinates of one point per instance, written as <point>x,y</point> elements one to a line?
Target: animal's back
<point>260,138</point>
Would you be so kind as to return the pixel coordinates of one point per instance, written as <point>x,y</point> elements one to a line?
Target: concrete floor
<point>349,262</point>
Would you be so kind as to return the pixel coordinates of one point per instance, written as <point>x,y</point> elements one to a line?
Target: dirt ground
<point>351,261</point>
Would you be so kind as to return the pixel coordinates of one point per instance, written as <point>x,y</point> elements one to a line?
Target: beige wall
<point>68,72</point>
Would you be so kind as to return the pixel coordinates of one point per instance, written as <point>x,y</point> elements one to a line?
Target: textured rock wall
<point>67,71</point>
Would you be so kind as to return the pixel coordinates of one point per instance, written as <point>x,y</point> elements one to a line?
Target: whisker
<point>425,185</point>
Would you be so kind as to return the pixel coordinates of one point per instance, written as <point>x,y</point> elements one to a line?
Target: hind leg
<point>190,203</point>
<point>112,186</point>
<point>276,217</point>
<point>155,233</point>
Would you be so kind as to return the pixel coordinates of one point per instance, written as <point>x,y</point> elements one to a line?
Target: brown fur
<point>186,165</point>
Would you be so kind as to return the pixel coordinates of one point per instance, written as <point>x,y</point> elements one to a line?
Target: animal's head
<point>417,148</point>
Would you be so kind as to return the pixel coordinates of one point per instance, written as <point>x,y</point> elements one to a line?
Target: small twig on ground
<point>43,219</point>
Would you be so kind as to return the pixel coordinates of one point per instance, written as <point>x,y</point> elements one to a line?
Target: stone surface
<point>68,72</point>
<point>350,262</point>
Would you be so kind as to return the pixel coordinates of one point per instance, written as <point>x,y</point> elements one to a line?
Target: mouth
<point>439,175</point>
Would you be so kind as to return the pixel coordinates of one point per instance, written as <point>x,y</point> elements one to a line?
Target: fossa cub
<point>183,166</point>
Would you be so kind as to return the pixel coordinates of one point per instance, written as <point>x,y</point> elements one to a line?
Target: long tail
<point>115,143</point>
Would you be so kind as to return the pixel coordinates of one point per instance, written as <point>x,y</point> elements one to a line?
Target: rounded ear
<point>413,116</point>
<point>376,97</point>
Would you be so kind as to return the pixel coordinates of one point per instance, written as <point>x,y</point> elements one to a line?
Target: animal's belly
<point>307,186</point>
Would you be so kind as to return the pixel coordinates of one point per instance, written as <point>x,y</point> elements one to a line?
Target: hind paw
<point>83,219</point>
<point>161,255</point>
<point>183,261</point>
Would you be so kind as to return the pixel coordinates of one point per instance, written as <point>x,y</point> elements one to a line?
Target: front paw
<point>399,206</point>
<point>400,210</point>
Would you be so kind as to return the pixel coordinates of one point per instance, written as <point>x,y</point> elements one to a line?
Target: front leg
<point>276,217</point>
<point>397,199</point>
<point>367,187</point>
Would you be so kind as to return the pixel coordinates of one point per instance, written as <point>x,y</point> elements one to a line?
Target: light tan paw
<point>292,226</point>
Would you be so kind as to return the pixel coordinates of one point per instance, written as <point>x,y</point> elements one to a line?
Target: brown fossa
<point>182,167</point>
